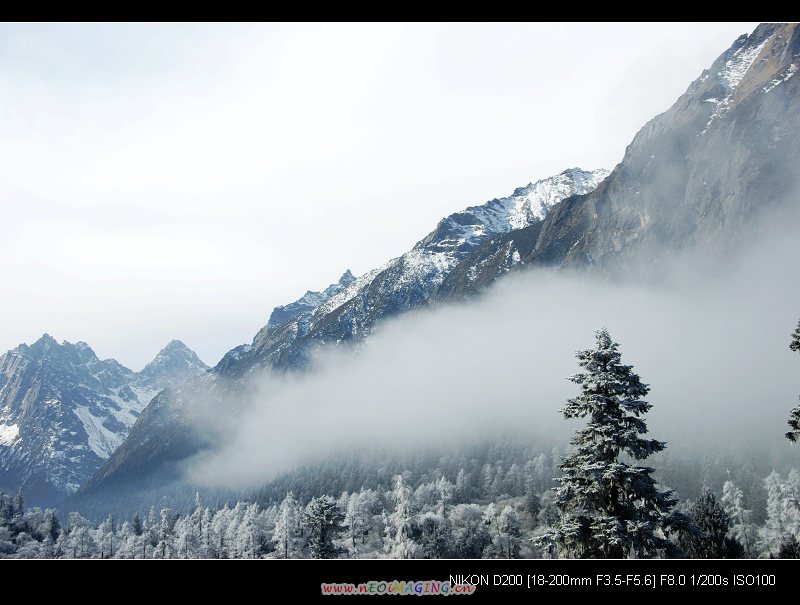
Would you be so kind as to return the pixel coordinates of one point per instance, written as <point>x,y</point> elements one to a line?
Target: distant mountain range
<point>63,411</point>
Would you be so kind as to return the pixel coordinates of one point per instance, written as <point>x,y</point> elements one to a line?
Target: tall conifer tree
<point>610,507</point>
<point>794,416</point>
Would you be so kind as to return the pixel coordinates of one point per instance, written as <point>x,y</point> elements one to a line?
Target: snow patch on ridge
<point>8,433</point>
<point>736,67</point>
<point>731,76</point>
<point>349,292</point>
<point>531,203</point>
<point>101,441</point>
<point>780,80</point>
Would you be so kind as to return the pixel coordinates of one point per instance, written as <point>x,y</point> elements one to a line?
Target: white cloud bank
<point>714,349</point>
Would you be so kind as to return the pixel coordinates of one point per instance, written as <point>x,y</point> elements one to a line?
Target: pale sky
<point>179,181</point>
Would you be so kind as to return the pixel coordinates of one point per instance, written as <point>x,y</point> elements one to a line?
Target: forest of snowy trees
<point>597,501</point>
<point>431,521</point>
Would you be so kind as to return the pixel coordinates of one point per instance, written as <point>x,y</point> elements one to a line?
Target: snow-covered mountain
<point>350,308</point>
<point>346,310</point>
<point>63,411</point>
<point>697,176</point>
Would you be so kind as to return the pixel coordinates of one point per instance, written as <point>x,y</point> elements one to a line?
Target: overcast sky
<point>171,181</point>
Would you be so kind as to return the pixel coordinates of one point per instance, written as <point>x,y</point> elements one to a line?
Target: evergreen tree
<point>250,534</point>
<point>400,530</point>
<point>773,531</point>
<point>510,533</point>
<point>462,486</point>
<point>790,549</point>
<point>515,480</point>
<point>742,528</point>
<point>794,416</point>
<point>531,500</point>
<point>713,541</point>
<point>434,535</point>
<point>190,533</point>
<point>105,538</point>
<point>445,492</point>
<point>361,508</point>
<point>80,544</point>
<point>128,548</point>
<point>608,507</point>
<point>205,546</point>
<point>504,532</point>
<point>218,544</point>
<point>548,515</point>
<point>487,481</point>
<point>19,507</point>
<point>284,535</point>
<point>136,525</point>
<point>165,548</point>
<point>322,520</point>
<point>52,526</point>
<point>47,550</point>
<point>470,531</point>
<point>5,510</point>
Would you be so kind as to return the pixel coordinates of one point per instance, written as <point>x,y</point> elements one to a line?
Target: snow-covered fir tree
<point>742,528</point>
<point>772,533</point>
<point>609,507</point>
<point>323,522</point>
<point>104,536</point>
<point>790,549</point>
<point>791,503</point>
<point>783,511</point>
<point>165,548</point>
<point>504,530</point>
<point>470,531</point>
<point>713,540</point>
<point>80,543</point>
<point>400,525</point>
<point>794,416</point>
<point>359,517</point>
<point>463,491</point>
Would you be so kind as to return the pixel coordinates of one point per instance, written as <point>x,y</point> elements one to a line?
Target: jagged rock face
<point>695,176</point>
<point>490,261</point>
<point>308,302</point>
<point>63,411</point>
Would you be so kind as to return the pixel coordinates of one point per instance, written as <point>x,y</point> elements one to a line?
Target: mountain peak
<point>308,302</point>
<point>176,347</point>
<point>754,65</point>
<point>175,364</point>
<point>68,411</point>
<point>347,278</point>
<point>46,339</point>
